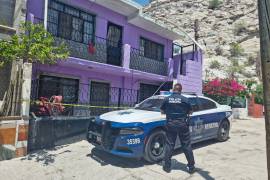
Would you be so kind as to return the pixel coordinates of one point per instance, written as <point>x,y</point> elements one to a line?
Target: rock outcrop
<point>228,31</point>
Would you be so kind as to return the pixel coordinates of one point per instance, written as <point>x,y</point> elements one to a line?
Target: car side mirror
<point>136,105</point>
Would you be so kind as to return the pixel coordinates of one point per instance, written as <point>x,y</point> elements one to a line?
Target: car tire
<point>154,150</point>
<point>223,131</point>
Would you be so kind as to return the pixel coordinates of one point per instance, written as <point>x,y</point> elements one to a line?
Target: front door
<point>99,97</point>
<point>114,44</point>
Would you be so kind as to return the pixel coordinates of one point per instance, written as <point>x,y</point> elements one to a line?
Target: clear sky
<point>142,2</point>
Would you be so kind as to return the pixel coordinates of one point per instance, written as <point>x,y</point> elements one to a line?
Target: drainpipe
<point>45,13</point>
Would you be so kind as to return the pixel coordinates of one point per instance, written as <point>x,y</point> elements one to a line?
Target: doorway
<point>114,44</point>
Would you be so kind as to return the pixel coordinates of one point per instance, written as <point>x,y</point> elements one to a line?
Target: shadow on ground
<point>105,158</point>
<point>45,156</point>
<point>176,165</point>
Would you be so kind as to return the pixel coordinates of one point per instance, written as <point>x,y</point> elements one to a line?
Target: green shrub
<point>251,60</point>
<point>224,100</point>
<point>219,51</point>
<point>259,94</point>
<point>214,4</point>
<point>236,50</point>
<point>240,27</point>
<point>215,65</point>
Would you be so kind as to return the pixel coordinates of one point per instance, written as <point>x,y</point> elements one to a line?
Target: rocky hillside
<point>228,32</point>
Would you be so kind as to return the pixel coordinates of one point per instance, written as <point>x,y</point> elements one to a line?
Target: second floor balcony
<point>107,51</point>
<point>98,50</point>
<point>139,61</point>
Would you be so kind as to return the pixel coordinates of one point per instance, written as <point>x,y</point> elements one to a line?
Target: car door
<point>196,123</point>
<point>209,116</point>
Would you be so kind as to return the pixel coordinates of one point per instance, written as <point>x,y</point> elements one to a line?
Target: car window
<point>194,104</point>
<point>206,104</point>
<point>151,104</point>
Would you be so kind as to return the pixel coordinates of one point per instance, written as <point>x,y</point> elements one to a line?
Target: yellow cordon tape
<point>80,105</point>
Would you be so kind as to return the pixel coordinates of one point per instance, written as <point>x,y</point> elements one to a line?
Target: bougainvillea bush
<point>223,87</point>
<point>224,90</point>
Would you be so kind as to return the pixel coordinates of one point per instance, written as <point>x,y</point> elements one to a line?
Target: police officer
<point>177,110</point>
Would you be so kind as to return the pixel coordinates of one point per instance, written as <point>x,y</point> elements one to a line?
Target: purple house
<point>118,56</point>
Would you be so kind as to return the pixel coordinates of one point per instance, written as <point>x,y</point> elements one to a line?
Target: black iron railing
<point>100,101</point>
<point>98,50</point>
<point>181,50</point>
<point>139,62</point>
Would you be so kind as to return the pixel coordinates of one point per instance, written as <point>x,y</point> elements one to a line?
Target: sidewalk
<point>243,156</point>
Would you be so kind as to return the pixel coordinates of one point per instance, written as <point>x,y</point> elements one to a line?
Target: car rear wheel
<point>155,147</point>
<point>223,131</point>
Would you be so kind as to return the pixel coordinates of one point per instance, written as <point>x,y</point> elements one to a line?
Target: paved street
<point>241,157</point>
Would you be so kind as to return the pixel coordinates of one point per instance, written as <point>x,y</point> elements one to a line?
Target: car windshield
<point>152,104</point>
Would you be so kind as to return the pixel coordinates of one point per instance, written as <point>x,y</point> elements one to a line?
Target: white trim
<point>45,14</point>
<point>21,144</point>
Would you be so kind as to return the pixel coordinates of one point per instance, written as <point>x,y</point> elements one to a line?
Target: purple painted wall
<point>131,33</point>
<point>85,77</point>
<point>122,77</point>
<point>192,80</point>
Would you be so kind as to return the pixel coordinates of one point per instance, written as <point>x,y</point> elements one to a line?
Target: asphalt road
<point>243,156</point>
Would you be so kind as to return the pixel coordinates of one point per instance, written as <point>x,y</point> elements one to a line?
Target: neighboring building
<point>13,134</point>
<point>118,55</point>
<point>12,12</point>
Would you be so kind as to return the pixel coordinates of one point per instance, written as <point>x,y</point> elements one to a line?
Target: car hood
<point>132,116</point>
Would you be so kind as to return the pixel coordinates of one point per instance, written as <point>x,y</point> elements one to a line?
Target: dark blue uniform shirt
<point>176,108</point>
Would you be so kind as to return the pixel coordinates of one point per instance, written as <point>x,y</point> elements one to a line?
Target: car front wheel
<point>155,147</point>
<point>223,131</point>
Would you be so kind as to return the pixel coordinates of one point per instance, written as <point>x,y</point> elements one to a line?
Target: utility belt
<point>178,121</point>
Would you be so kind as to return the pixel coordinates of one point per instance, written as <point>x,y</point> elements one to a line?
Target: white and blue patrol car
<point>139,132</point>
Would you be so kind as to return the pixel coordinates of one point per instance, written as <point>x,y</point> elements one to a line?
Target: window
<point>194,104</point>
<point>51,85</point>
<point>69,23</point>
<point>152,104</point>
<point>7,12</point>
<point>183,67</point>
<point>151,49</point>
<point>206,104</point>
<point>146,91</point>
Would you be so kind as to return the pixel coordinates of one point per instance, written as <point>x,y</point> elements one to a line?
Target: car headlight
<point>133,131</point>
<point>228,114</point>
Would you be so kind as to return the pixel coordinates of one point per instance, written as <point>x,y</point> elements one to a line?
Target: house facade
<point>118,56</point>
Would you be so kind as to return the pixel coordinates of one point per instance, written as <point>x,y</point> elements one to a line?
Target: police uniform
<point>177,108</point>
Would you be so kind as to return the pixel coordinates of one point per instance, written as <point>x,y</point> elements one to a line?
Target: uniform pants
<point>184,135</point>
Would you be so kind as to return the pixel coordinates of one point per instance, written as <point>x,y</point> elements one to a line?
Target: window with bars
<point>52,85</point>
<point>151,49</point>
<point>70,23</point>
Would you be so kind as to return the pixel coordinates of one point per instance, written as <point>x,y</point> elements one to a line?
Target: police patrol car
<point>139,132</point>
